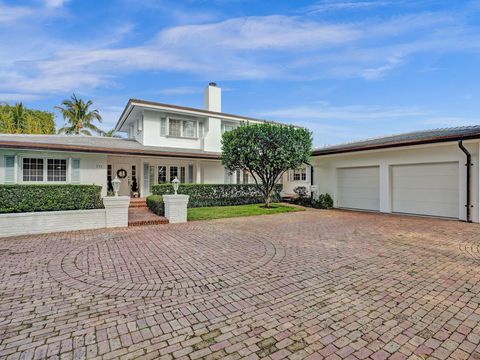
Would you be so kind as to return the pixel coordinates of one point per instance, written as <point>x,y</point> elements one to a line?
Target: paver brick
<point>315,284</point>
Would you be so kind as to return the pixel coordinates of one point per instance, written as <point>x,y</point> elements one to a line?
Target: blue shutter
<point>9,169</point>
<point>75,171</point>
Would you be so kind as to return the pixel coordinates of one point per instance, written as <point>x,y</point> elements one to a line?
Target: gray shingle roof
<point>95,144</point>
<point>405,139</point>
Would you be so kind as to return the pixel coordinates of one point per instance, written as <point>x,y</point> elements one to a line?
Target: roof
<point>405,139</point>
<point>96,144</point>
<point>193,111</point>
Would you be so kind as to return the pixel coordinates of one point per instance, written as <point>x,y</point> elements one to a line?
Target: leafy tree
<point>110,133</point>
<point>266,151</point>
<point>17,119</point>
<point>79,117</point>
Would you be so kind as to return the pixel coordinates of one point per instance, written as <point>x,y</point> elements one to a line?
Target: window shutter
<point>200,130</point>
<point>146,179</point>
<point>75,171</point>
<point>9,169</point>
<point>163,127</point>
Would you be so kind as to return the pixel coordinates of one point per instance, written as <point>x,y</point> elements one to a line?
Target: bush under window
<point>43,197</point>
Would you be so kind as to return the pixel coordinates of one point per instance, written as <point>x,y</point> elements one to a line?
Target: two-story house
<point>162,142</point>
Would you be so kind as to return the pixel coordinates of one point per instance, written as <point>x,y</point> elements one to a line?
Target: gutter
<point>469,165</point>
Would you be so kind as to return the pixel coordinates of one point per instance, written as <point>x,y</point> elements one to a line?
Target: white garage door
<point>358,188</point>
<point>426,189</point>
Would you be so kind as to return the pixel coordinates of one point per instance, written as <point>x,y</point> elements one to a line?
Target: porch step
<point>138,216</point>
<point>138,203</point>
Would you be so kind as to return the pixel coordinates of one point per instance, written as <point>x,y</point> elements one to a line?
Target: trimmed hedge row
<point>42,197</point>
<point>202,195</point>
<point>156,205</point>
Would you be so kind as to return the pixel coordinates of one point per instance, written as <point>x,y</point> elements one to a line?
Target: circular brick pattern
<point>179,264</point>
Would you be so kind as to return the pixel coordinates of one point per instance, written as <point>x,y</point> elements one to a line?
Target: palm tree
<point>110,133</point>
<point>19,117</point>
<point>80,119</point>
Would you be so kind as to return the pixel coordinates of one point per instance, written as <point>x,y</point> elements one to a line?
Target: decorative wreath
<point>122,173</point>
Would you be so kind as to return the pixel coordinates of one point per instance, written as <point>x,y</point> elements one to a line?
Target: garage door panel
<point>426,189</point>
<point>358,188</point>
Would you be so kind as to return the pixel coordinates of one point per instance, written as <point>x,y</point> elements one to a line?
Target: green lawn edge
<point>223,212</point>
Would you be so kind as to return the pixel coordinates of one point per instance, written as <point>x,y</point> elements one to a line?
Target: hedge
<point>34,198</point>
<point>156,205</point>
<point>202,195</point>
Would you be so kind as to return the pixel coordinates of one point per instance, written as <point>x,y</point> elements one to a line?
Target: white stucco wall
<point>213,172</point>
<point>325,169</point>
<point>93,167</point>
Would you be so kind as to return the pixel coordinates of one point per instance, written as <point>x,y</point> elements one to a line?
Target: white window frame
<point>302,175</point>
<point>182,121</point>
<point>45,170</point>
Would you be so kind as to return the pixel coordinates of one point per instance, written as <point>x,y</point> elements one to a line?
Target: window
<point>32,169</point>
<point>245,177</point>
<point>162,174</point>
<point>190,173</point>
<point>189,129</point>
<point>182,174</point>
<point>300,174</point>
<point>228,127</point>
<point>56,170</point>
<point>173,172</point>
<point>175,128</point>
<point>181,128</point>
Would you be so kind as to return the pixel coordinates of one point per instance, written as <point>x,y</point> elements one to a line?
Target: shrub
<point>202,195</point>
<point>156,205</point>
<point>33,198</point>
<point>301,191</point>
<point>324,201</point>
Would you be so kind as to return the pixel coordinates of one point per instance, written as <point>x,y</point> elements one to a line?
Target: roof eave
<point>324,152</point>
<point>102,150</point>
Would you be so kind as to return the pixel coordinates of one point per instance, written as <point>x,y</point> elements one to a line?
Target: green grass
<point>221,212</point>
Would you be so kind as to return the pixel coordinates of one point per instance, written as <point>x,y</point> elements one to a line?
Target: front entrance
<point>126,182</point>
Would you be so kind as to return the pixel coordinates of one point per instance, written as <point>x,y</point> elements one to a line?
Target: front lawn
<point>220,212</point>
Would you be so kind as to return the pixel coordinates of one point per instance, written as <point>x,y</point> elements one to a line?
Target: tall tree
<point>79,117</point>
<point>110,133</point>
<point>18,119</point>
<point>266,151</point>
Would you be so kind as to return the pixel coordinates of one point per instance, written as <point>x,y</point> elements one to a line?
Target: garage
<point>426,189</point>
<point>358,188</point>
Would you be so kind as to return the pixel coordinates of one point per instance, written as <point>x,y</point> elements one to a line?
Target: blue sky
<point>345,69</point>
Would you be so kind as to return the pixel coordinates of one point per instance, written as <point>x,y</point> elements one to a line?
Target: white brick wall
<point>50,221</point>
<point>115,214</point>
<point>176,208</point>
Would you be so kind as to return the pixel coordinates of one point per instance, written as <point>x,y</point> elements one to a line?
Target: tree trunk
<point>267,201</point>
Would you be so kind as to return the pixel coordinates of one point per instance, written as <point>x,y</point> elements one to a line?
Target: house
<point>162,142</point>
<point>433,173</point>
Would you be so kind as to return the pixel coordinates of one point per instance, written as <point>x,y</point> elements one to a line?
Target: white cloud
<point>181,90</point>
<point>345,5</point>
<point>55,3</point>
<point>12,14</point>
<point>262,47</point>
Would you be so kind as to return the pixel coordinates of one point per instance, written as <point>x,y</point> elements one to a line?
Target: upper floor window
<point>300,174</point>
<point>179,128</point>
<point>229,127</point>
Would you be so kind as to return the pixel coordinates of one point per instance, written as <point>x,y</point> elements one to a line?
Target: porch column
<point>198,177</point>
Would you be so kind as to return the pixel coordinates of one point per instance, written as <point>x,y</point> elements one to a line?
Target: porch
<point>140,174</point>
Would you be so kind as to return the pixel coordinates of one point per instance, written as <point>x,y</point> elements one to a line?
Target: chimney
<point>213,98</point>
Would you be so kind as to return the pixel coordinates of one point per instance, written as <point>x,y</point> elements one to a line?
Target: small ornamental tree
<point>266,151</point>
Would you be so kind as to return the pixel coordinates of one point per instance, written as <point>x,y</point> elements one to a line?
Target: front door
<point>126,181</point>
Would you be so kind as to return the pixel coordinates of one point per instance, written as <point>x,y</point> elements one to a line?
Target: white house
<point>163,142</point>
<point>432,173</point>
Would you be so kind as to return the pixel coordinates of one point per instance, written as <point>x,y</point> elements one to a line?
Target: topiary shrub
<point>202,195</point>
<point>324,201</point>
<point>43,197</point>
<point>156,205</point>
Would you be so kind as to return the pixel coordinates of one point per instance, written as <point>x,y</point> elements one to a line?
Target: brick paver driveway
<point>318,284</point>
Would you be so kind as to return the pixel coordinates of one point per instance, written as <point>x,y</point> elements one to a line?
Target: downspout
<point>311,182</point>
<point>468,165</point>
